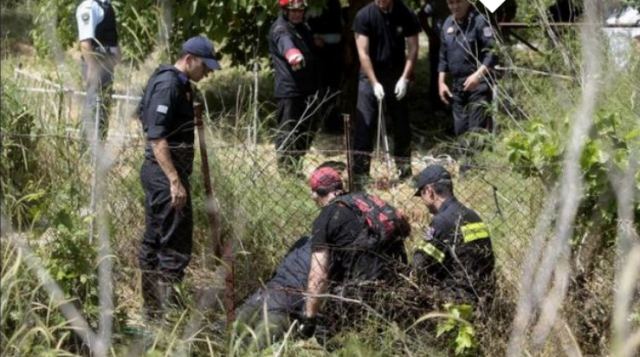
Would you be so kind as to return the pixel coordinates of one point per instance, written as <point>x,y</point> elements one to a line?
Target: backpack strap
<point>376,214</point>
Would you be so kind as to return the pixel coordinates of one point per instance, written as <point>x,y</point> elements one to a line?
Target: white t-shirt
<point>88,14</point>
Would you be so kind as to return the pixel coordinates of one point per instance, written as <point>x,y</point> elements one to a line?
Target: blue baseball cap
<point>200,46</point>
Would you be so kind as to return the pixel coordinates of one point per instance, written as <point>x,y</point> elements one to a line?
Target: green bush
<point>19,178</point>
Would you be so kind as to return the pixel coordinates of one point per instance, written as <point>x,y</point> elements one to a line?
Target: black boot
<point>151,296</point>
<point>171,296</point>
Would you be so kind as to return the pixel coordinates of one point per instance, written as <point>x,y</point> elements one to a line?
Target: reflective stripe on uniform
<point>474,231</point>
<point>431,250</point>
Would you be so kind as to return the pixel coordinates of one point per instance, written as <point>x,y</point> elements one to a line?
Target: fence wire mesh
<point>262,211</point>
<point>257,202</point>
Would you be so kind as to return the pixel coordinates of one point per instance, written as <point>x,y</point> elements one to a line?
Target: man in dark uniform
<point>327,35</point>
<point>98,38</point>
<point>342,245</point>
<point>296,80</point>
<point>456,251</point>
<point>166,112</point>
<point>432,16</point>
<point>466,54</point>
<point>381,29</point>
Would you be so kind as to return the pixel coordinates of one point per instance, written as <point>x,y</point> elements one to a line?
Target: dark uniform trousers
<point>296,129</point>
<point>166,246</point>
<point>471,110</point>
<point>268,312</point>
<point>397,120</point>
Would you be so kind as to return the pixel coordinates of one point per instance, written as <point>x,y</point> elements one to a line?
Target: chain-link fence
<point>257,203</point>
<point>262,211</point>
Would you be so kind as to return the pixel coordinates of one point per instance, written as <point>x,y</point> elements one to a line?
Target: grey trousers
<point>97,87</point>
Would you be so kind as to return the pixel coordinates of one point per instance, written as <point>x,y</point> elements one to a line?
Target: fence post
<point>226,252</point>
<point>347,146</point>
<point>94,158</point>
<point>211,207</point>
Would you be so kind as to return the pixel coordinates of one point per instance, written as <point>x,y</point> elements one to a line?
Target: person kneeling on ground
<point>456,253</point>
<point>356,237</point>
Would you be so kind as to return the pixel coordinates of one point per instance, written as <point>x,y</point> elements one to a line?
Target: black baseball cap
<point>432,174</point>
<point>201,46</point>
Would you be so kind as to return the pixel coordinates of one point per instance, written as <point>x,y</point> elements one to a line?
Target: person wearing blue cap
<point>167,116</point>
<point>455,253</point>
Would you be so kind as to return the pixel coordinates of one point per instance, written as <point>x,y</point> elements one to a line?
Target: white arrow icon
<point>492,5</point>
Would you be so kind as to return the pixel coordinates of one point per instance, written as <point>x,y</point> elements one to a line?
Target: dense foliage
<point>239,26</point>
<point>20,191</point>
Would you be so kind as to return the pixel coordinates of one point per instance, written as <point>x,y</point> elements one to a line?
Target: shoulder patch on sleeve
<point>85,16</point>
<point>163,109</point>
<point>487,31</point>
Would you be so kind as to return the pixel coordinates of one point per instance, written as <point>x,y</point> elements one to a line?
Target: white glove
<point>378,91</point>
<point>401,88</point>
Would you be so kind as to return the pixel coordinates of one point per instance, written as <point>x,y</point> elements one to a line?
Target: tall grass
<point>45,189</point>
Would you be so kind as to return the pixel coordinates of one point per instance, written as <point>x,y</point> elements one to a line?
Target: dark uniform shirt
<point>293,271</point>
<point>329,21</point>
<point>284,36</point>
<point>337,228</point>
<point>457,249</point>
<point>106,33</point>
<point>386,32</point>
<point>166,112</point>
<point>466,46</point>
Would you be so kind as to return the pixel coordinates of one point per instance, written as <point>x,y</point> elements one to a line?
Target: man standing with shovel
<point>384,30</point>
<point>167,115</point>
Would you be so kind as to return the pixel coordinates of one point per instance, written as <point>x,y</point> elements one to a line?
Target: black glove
<point>307,326</point>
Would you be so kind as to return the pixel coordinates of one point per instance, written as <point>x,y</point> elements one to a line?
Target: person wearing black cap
<point>98,38</point>
<point>466,54</point>
<point>356,237</point>
<point>166,112</point>
<point>386,33</point>
<point>456,251</point>
<point>292,52</point>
